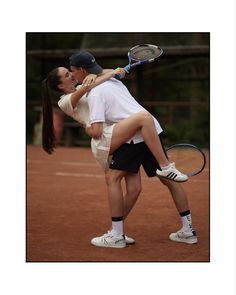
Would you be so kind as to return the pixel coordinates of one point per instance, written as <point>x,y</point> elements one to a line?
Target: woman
<point>73,102</point>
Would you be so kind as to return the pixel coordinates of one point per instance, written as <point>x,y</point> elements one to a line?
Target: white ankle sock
<point>117,228</point>
<point>165,167</point>
<point>187,223</point>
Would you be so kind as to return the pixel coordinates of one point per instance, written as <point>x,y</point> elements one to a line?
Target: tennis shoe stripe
<point>172,175</point>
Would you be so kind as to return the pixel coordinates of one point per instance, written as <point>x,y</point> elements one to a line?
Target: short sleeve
<point>96,108</point>
<point>65,104</point>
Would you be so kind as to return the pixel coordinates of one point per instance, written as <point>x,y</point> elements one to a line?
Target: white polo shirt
<point>111,102</point>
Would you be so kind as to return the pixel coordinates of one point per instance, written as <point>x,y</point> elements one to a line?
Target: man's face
<point>79,73</point>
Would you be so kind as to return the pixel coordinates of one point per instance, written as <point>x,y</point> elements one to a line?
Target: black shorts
<point>129,157</point>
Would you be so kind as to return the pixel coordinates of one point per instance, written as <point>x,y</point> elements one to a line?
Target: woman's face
<point>68,81</point>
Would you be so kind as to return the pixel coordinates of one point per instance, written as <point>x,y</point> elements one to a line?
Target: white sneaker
<point>184,237</point>
<point>109,240</point>
<point>172,173</point>
<point>129,240</point>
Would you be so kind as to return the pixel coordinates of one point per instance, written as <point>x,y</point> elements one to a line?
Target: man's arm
<point>86,86</point>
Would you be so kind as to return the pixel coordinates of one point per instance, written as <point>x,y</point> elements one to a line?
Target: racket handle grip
<point>126,68</point>
<point>117,76</point>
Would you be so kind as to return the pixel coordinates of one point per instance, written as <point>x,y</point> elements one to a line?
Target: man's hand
<point>121,72</point>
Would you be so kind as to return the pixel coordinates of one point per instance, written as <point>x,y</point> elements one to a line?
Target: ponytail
<point>48,134</point>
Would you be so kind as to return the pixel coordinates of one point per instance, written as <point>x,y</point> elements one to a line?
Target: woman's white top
<point>100,147</point>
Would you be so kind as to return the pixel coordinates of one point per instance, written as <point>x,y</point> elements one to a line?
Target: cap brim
<point>96,69</point>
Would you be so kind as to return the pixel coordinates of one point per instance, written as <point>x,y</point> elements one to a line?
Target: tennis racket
<point>188,158</point>
<point>141,54</point>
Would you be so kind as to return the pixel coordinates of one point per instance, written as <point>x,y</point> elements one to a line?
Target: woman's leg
<point>143,121</point>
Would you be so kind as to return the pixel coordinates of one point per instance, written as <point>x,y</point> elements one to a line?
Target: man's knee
<point>113,176</point>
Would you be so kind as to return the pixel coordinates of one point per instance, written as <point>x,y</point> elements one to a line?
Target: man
<point>111,102</point>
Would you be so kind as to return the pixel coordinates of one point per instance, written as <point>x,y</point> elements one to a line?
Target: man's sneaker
<point>129,240</point>
<point>172,173</point>
<point>184,237</point>
<point>109,240</point>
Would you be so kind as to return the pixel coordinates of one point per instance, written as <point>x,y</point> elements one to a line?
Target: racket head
<point>144,52</point>
<point>189,159</point>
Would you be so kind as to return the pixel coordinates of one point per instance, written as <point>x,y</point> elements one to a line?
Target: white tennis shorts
<point>101,147</point>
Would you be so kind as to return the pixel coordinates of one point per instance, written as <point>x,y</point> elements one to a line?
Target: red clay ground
<point>67,206</point>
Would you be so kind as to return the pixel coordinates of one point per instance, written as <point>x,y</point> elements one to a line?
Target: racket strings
<point>189,161</point>
<point>145,52</point>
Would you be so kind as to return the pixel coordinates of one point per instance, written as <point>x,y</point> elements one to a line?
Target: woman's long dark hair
<point>48,135</point>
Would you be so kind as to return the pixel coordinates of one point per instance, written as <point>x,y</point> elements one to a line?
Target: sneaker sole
<point>190,241</point>
<point>171,179</point>
<point>108,246</point>
<point>130,243</point>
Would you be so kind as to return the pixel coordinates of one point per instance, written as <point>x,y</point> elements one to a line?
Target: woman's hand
<point>88,130</point>
<point>89,80</point>
<point>95,130</point>
<point>121,72</point>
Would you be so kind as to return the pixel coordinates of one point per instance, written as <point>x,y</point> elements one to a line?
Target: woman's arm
<point>106,75</point>
<point>95,130</point>
<point>78,94</point>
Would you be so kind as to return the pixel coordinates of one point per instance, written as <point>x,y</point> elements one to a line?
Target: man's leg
<point>115,192</point>
<point>114,238</point>
<point>186,234</point>
<point>121,204</point>
<point>133,189</point>
<point>125,163</point>
<point>178,194</point>
<point>143,121</point>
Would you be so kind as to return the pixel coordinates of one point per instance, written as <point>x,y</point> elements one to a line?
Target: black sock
<point>184,213</point>
<point>117,218</point>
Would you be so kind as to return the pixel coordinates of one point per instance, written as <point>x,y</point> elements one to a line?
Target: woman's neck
<point>70,90</point>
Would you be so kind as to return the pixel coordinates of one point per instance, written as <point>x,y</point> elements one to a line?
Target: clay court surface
<point>67,206</point>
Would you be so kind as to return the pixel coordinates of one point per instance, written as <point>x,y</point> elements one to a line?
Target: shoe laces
<point>107,234</point>
<point>181,233</point>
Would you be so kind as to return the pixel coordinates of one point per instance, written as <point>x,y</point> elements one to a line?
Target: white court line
<point>35,161</point>
<point>102,176</point>
<point>79,175</point>
<point>79,164</point>
<point>90,175</point>
<point>88,164</point>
